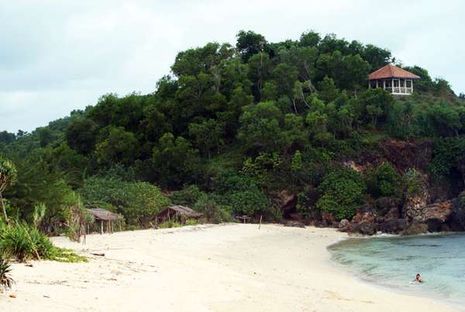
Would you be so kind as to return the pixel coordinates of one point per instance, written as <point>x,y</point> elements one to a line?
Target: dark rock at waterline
<point>393,226</point>
<point>344,225</point>
<point>443,216</point>
<point>364,216</point>
<point>435,225</point>
<point>415,229</point>
<point>366,228</point>
<point>456,220</point>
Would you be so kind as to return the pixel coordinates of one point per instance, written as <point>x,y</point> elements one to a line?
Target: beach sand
<point>233,267</point>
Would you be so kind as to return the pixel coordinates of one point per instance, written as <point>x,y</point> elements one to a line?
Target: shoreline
<point>400,289</point>
<point>230,267</point>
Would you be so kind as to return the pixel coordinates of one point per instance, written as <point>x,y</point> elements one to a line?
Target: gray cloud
<point>56,56</point>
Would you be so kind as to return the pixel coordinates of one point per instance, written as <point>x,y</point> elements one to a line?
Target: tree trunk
<point>5,216</point>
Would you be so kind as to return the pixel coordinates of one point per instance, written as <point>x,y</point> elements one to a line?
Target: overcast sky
<point>60,55</point>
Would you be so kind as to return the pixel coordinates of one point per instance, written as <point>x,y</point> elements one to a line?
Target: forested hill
<point>283,129</point>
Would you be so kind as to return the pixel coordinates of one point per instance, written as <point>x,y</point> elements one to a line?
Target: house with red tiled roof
<point>393,79</point>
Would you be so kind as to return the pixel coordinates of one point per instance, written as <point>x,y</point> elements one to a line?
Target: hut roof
<point>391,71</point>
<point>103,214</point>
<point>182,210</point>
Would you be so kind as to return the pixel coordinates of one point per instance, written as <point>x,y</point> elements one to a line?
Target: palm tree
<point>7,177</point>
<point>5,279</point>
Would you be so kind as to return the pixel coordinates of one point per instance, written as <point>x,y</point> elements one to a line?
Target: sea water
<point>394,262</point>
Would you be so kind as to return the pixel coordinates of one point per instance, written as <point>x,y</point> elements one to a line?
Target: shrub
<point>23,242</point>
<point>41,244</point>
<point>169,224</point>
<point>136,201</point>
<point>306,201</point>
<point>248,202</point>
<point>192,222</point>
<point>342,192</point>
<point>447,154</point>
<point>413,182</point>
<point>242,194</point>
<point>212,211</point>
<point>187,196</point>
<point>384,181</point>
<point>15,242</point>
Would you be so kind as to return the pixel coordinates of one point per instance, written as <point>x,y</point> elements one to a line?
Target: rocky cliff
<point>434,207</point>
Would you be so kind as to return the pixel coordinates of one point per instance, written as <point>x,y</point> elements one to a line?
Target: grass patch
<point>67,255</point>
<point>192,222</point>
<point>169,224</point>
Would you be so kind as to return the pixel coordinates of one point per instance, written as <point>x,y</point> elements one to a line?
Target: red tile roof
<point>391,71</point>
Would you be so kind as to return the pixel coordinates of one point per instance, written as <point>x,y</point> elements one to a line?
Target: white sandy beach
<point>230,267</point>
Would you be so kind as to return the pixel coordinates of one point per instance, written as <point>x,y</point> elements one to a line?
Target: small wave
<point>424,245</point>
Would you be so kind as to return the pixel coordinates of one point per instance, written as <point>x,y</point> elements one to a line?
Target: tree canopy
<point>239,123</point>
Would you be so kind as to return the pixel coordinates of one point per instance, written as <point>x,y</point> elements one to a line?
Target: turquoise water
<point>394,261</point>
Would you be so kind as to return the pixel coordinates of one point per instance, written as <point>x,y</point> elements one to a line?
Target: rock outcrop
<point>286,201</point>
<point>433,215</point>
<point>415,229</point>
<point>406,154</point>
<point>431,209</point>
<point>457,218</point>
<point>393,226</point>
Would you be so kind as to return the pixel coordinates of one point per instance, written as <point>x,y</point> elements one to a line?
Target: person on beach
<point>418,278</point>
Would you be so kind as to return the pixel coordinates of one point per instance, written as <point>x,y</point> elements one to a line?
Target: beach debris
<point>99,254</point>
<point>12,296</point>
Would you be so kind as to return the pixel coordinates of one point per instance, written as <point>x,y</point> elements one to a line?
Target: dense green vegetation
<point>24,242</point>
<point>233,126</point>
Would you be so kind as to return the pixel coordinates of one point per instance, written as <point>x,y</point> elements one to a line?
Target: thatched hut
<point>105,218</point>
<point>177,213</point>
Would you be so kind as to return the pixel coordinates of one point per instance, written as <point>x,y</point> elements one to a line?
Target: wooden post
<point>260,223</point>
<point>101,227</point>
<point>85,234</point>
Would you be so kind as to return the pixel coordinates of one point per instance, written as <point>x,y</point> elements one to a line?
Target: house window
<point>408,83</point>
<point>396,83</point>
<point>402,83</point>
<point>373,84</point>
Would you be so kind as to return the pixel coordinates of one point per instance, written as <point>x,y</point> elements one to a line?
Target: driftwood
<point>98,254</point>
